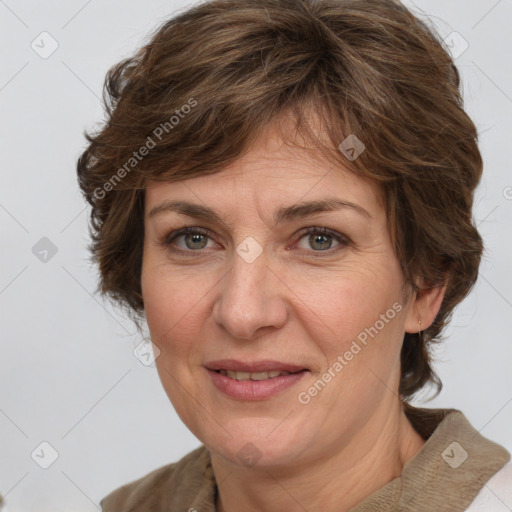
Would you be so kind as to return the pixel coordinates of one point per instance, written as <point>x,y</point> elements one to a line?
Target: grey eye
<point>320,242</point>
<point>195,240</point>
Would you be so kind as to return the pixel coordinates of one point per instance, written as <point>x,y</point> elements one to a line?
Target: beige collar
<point>447,473</point>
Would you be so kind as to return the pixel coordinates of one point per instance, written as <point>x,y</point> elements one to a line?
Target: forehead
<point>279,168</point>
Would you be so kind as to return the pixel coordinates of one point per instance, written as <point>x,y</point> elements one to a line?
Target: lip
<point>253,366</point>
<point>253,389</point>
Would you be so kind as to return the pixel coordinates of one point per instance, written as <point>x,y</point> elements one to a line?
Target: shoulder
<point>496,494</point>
<point>174,485</point>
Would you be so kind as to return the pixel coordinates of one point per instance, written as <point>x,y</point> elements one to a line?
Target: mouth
<point>270,367</point>
<point>255,380</point>
<point>253,375</point>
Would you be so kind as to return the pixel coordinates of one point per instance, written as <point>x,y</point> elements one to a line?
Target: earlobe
<point>423,308</point>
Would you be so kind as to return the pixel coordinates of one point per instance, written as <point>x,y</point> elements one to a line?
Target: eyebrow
<point>283,214</point>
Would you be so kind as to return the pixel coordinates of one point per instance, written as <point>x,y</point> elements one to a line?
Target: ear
<point>424,306</point>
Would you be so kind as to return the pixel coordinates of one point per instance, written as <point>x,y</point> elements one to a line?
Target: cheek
<point>169,295</point>
<point>175,315</point>
<point>173,301</point>
<point>343,304</point>
<point>355,321</point>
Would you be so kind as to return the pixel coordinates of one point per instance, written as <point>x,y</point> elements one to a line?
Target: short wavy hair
<point>206,83</point>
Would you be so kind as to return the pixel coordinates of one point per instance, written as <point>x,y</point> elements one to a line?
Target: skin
<point>295,303</point>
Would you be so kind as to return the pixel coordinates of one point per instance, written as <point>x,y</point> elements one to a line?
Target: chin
<point>254,443</point>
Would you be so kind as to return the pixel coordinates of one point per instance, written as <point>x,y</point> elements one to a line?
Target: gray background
<point>69,376</point>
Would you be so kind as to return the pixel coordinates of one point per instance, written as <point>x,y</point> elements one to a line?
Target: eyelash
<point>173,235</point>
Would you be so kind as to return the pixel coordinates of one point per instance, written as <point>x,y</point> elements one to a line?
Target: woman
<point>283,191</point>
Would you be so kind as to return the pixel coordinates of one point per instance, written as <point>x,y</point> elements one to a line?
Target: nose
<point>251,299</point>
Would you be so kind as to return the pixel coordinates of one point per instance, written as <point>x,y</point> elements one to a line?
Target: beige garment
<point>438,478</point>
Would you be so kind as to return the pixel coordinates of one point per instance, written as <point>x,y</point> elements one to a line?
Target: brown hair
<point>193,99</point>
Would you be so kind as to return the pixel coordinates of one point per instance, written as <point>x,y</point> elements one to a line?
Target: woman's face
<point>250,288</point>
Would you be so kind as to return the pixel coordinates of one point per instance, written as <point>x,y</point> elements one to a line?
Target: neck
<point>333,482</point>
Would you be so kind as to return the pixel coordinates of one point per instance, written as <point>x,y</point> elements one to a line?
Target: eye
<point>321,239</point>
<point>193,239</point>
